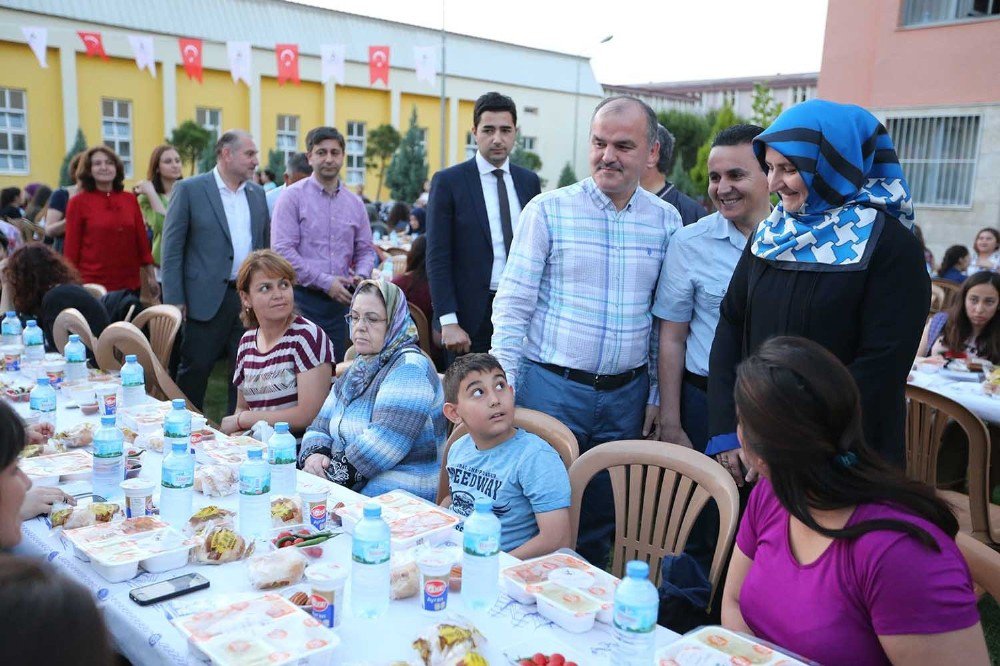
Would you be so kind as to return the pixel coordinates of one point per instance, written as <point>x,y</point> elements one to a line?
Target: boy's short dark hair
<point>493,101</point>
<point>465,366</point>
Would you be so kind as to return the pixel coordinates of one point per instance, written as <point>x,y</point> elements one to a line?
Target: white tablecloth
<point>966,393</point>
<point>146,636</point>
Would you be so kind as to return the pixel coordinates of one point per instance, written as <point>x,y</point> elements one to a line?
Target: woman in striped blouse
<point>284,363</point>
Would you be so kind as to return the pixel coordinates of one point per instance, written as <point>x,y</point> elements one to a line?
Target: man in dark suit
<point>471,218</point>
<point>654,180</point>
<point>213,222</point>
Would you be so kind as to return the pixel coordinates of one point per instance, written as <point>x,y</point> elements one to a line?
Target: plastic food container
<point>600,588</point>
<point>326,595</point>
<point>138,496</point>
<point>521,581</point>
<point>307,532</point>
<point>435,570</point>
<point>571,609</point>
<point>412,520</point>
<point>116,550</point>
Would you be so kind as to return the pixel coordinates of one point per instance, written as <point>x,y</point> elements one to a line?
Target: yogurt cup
<point>435,569</point>
<point>56,371</point>
<point>107,399</point>
<point>327,593</point>
<point>81,394</point>
<point>314,505</point>
<point>198,423</point>
<point>138,497</point>
<point>12,357</point>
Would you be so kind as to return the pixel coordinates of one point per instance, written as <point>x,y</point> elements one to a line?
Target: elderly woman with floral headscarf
<point>382,426</point>
<point>836,262</point>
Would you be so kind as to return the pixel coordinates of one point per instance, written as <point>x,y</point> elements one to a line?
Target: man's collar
<point>603,200</point>
<point>222,184</point>
<point>486,167</point>
<point>316,183</point>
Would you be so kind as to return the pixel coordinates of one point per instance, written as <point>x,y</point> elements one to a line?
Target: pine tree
<point>79,145</point>
<point>408,170</point>
<point>206,161</point>
<point>567,176</point>
<point>382,143</point>
<point>523,157</point>
<point>190,139</point>
<point>276,163</point>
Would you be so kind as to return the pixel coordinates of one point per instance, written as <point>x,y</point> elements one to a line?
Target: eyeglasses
<point>353,319</point>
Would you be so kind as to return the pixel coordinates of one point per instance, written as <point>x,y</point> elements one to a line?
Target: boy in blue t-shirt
<point>523,476</point>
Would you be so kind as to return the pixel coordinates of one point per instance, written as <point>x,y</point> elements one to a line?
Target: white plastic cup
<point>314,506</point>
<point>327,594</point>
<point>435,571</point>
<point>107,399</point>
<point>138,496</point>
<point>12,357</point>
<point>81,394</point>
<point>56,371</point>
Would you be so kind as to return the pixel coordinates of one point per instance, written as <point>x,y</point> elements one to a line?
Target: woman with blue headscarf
<point>382,425</point>
<point>835,262</point>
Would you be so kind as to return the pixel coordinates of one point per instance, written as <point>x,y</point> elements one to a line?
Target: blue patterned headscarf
<point>848,162</point>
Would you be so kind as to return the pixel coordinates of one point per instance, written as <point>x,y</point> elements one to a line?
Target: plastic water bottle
<point>255,494</point>
<point>637,606</point>
<point>281,458</point>
<point>481,557</point>
<point>10,329</point>
<point>76,359</point>
<point>177,425</point>
<point>109,459</point>
<point>177,485</point>
<point>133,383</point>
<point>42,402</point>
<point>370,567</point>
<point>34,343</point>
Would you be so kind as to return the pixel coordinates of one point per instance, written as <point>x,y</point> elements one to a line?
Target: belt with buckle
<point>597,382</point>
<point>697,381</point>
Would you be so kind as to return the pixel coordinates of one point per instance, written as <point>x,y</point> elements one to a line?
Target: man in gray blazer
<point>213,222</point>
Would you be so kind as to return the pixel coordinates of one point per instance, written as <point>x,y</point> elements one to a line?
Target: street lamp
<point>576,102</point>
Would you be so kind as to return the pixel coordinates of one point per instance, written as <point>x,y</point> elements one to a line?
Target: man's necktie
<point>508,230</point>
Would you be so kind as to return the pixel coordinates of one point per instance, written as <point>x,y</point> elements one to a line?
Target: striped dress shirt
<point>579,283</point>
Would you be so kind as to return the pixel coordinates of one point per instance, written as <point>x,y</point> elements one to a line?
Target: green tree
<point>382,143</point>
<point>79,145</point>
<point>276,163</point>
<point>567,176</point>
<point>699,172</point>
<point>206,161</point>
<point>690,131</point>
<point>190,139</point>
<point>408,170</point>
<point>525,158</point>
<point>765,109</point>
<point>682,181</point>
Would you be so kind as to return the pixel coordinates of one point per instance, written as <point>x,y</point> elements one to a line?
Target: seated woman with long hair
<point>840,558</point>
<point>954,264</point>
<point>970,328</point>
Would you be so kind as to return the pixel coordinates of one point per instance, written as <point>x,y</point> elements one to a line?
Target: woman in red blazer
<point>105,235</point>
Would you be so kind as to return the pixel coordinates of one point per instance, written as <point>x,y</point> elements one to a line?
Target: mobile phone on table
<point>168,589</point>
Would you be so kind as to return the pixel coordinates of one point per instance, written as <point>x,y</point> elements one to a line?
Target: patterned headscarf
<point>400,335</point>
<point>849,164</point>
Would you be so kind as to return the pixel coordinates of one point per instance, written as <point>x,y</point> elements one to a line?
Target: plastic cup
<point>435,569</point>
<point>56,371</point>
<point>327,594</point>
<point>81,394</point>
<point>11,357</point>
<point>314,505</point>
<point>138,496</point>
<point>198,423</point>
<point>107,399</point>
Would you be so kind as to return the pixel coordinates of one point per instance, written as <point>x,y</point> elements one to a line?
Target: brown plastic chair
<point>938,297</point>
<point>163,322</point>
<point>984,564</point>
<point>96,290</point>
<point>951,291</point>
<point>398,264</point>
<point>927,416</point>
<point>557,435</point>
<point>69,321</point>
<point>120,339</point>
<point>397,252</point>
<point>659,490</point>
<point>423,329</point>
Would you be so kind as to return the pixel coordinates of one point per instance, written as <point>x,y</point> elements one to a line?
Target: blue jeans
<point>326,313</point>
<point>594,417</point>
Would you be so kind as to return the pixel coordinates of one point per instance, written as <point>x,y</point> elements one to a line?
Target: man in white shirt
<point>471,218</point>
<point>296,169</point>
<point>213,222</point>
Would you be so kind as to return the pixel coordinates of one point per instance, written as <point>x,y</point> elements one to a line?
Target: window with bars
<point>287,140</point>
<point>470,145</point>
<point>357,143</point>
<point>938,155</point>
<point>799,94</point>
<point>729,97</point>
<point>116,129</point>
<point>529,142</point>
<point>924,12</point>
<point>13,131</point>
<point>210,119</point>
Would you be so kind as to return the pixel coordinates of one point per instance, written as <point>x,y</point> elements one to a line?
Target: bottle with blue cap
<point>177,485</point>
<point>637,605</point>
<point>42,402</point>
<point>109,460</point>
<point>34,343</point>
<point>481,557</point>
<point>10,329</point>
<point>255,494</point>
<point>75,354</point>
<point>370,568</point>
<point>133,382</point>
<point>281,457</point>
<point>177,425</point>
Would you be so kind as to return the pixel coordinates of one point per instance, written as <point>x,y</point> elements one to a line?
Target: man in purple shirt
<point>322,229</point>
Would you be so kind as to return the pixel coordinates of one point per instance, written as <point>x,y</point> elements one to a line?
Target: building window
<point>422,137</point>
<point>470,145</point>
<point>924,12</point>
<point>938,155</point>
<point>116,129</point>
<point>288,135</point>
<point>729,97</point>
<point>356,146</point>
<point>799,94</point>
<point>531,110</point>
<point>529,142</point>
<point>210,119</point>
<point>13,131</point>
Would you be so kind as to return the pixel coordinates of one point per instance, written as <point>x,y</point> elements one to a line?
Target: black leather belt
<point>696,381</point>
<point>597,382</point>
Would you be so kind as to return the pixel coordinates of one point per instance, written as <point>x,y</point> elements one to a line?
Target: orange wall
<point>875,63</point>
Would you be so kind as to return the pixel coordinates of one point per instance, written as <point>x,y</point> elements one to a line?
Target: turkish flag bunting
<point>288,63</point>
<point>378,63</point>
<point>95,47</point>
<point>191,56</point>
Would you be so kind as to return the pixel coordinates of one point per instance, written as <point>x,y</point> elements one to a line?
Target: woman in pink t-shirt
<point>839,557</point>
